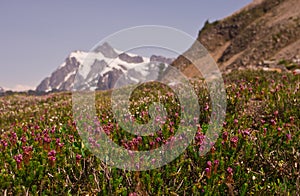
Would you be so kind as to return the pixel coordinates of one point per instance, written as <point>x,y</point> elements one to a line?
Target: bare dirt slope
<point>263,31</point>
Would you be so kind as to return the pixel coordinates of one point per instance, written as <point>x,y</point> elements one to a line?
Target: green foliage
<point>259,141</point>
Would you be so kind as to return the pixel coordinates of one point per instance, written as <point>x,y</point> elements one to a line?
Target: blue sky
<point>36,36</point>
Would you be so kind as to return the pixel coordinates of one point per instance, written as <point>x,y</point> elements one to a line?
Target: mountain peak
<point>107,50</point>
<point>102,69</point>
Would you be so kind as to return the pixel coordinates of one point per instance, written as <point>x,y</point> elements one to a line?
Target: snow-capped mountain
<point>101,68</point>
<point>1,90</point>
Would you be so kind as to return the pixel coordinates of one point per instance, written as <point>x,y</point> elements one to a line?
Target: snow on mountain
<point>101,68</point>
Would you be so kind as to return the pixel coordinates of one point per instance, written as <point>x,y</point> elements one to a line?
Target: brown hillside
<point>263,33</point>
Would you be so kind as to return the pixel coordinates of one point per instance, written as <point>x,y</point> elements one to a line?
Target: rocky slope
<point>103,67</point>
<point>265,33</point>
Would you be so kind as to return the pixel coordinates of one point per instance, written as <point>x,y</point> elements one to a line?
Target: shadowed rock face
<point>130,59</point>
<point>58,80</point>
<point>155,58</point>
<point>44,85</point>
<point>58,76</point>
<point>109,79</point>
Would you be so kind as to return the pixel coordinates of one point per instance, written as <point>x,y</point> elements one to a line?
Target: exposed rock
<point>58,78</point>
<point>155,58</point>
<point>44,85</point>
<point>96,68</point>
<point>107,51</point>
<point>109,79</point>
<point>130,59</point>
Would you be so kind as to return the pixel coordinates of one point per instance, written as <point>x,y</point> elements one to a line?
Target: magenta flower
<point>199,138</point>
<point>78,157</point>
<point>61,144</point>
<point>279,129</point>
<point>208,172</point>
<point>236,121</point>
<point>45,132</point>
<point>239,131</point>
<point>216,162</point>
<point>292,119</point>
<point>229,178</point>
<point>230,170</point>
<point>135,141</point>
<point>273,122</point>
<point>18,158</point>
<point>153,161</point>
<point>52,153</point>
<point>27,153</point>
<point>209,164</point>
<point>206,107</point>
<point>23,139</point>
<point>139,138</point>
<point>246,133</point>
<point>213,149</point>
<point>52,160</point>
<point>234,140</point>
<point>53,130</point>
<point>125,145</point>
<point>288,137</point>
<point>225,136</point>
<point>71,138</point>
<point>51,157</point>
<point>265,130</point>
<point>13,135</point>
<point>4,143</point>
<point>25,128</point>
<point>27,149</point>
<point>47,139</point>
<point>216,165</point>
<point>13,138</point>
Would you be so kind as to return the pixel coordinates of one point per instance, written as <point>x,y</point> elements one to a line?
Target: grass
<point>256,153</point>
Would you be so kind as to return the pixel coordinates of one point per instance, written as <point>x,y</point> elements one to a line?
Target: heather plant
<point>256,153</point>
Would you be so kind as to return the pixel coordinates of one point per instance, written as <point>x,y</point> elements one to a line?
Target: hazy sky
<point>36,36</point>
